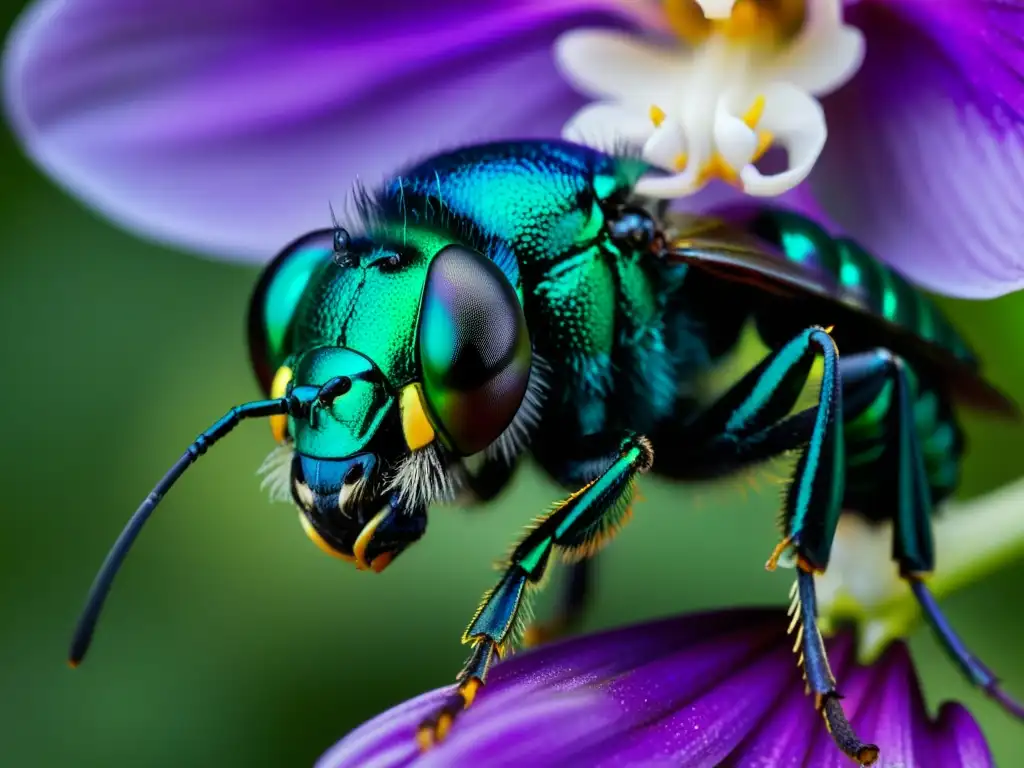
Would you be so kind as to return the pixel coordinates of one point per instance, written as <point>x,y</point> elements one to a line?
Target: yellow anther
<point>718,168</point>
<point>657,115</point>
<point>687,20</point>
<point>829,330</point>
<point>745,21</point>
<point>764,141</point>
<point>753,115</point>
<point>680,163</point>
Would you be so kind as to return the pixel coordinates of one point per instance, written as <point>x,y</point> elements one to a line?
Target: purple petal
<point>958,741</point>
<point>703,690</point>
<point>783,738</point>
<point>925,158</point>
<point>228,125</point>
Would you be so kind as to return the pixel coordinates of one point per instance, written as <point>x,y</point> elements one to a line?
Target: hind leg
<point>749,424</point>
<point>917,460</point>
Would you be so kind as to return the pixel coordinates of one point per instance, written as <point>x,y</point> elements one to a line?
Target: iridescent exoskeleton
<point>517,298</point>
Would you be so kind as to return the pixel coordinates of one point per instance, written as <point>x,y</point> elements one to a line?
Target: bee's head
<point>447,378</point>
<point>415,354</point>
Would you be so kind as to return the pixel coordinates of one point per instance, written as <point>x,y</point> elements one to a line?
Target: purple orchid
<point>700,690</point>
<point>227,126</point>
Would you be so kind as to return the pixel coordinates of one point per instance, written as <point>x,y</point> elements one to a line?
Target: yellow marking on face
<point>415,425</point>
<point>317,539</point>
<point>657,115</point>
<point>359,548</point>
<point>680,163</point>
<point>278,389</point>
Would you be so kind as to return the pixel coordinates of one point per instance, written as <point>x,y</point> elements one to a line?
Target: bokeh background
<point>230,640</point>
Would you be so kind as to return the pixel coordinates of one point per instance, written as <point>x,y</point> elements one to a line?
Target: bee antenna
<point>105,577</point>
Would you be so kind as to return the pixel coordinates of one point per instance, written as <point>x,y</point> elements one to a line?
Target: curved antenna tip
<point>101,585</point>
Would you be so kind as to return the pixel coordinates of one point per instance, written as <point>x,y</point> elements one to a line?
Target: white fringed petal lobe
<point>797,122</point>
<point>713,108</point>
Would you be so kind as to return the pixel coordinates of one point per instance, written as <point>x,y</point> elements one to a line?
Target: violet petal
<point>957,739</point>
<point>925,159</point>
<point>701,690</point>
<point>229,126</point>
<point>783,739</point>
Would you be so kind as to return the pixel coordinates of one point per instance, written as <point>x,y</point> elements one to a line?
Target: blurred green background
<point>229,639</point>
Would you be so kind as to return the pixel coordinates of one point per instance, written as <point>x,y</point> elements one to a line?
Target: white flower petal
<point>608,127</point>
<point>826,53</point>
<point>716,9</point>
<point>666,145</point>
<point>797,122</point>
<point>665,149</point>
<point>609,64</point>
<point>668,187</point>
<point>734,139</point>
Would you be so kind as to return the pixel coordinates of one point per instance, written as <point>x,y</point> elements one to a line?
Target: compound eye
<point>276,299</point>
<point>474,349</point>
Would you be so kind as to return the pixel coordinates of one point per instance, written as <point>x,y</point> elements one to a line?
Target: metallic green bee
<point>516,297</point>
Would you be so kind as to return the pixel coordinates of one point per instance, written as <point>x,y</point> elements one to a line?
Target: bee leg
<point>576,527</point>
<point>571,467</point>
<point>749,423</point>
<point>976,671</point>
<point>904,484</point>
<point>572,605</point>
<point>817,672</point>
<point>814,500</point>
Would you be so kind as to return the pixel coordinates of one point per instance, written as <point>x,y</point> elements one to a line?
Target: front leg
<point>577,527</point>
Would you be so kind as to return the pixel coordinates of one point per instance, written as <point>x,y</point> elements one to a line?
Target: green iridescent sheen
<point>862,279</point>
<point>517,297</point>
<point>343,427</point>
<point>278,293</point>
<point>284,295</point>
